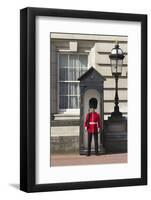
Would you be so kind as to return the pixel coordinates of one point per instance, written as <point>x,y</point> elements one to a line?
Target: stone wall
<point>64,144</point>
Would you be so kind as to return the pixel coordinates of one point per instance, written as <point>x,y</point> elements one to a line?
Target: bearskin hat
<point>93,103</point>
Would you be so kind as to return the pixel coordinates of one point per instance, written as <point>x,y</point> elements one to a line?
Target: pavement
<point>76,159</point>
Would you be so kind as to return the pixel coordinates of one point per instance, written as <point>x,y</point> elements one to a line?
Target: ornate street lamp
<point>116,59</point>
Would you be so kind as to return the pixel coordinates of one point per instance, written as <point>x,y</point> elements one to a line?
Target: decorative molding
<point>108,65</point>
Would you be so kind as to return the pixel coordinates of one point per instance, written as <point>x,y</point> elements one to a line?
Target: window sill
<point>67,116</point>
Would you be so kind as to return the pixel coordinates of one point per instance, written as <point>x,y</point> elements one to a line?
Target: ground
<point>75,159</point>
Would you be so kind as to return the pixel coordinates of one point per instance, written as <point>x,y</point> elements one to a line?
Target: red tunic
<point>93,123</point>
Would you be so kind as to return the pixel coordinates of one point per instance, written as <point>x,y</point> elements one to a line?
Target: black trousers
<point>95,142</point>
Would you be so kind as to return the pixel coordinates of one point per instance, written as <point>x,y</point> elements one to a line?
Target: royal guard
<point>92,125</point>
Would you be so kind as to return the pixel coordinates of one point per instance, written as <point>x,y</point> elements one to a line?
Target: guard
<point>93,125</point>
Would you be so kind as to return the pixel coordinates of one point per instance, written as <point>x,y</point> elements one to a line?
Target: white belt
<point>92,122</point>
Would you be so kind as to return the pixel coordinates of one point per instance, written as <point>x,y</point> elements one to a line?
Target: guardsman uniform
<point>92,124</point>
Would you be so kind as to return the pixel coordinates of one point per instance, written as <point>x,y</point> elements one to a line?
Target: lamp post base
<point>116,116</point>
<point>115,135</point>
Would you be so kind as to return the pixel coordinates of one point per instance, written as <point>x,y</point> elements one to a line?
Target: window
<point>71,67</point>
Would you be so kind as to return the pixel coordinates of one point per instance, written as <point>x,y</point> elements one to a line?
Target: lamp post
<point>115,128</point>
<point>116,59</point>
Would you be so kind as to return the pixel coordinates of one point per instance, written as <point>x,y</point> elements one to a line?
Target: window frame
<point>68,110</point>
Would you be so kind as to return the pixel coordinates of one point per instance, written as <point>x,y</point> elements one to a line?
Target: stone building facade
<point>72,55</point>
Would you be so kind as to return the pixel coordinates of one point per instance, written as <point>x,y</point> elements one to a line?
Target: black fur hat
<point>93,103</point>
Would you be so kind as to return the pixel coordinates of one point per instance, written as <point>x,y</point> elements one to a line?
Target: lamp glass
<point>116,66</point>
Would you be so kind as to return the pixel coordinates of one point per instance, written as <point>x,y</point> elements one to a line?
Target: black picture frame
<point>28,98</point>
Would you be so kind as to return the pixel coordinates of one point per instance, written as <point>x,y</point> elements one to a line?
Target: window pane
<point>63,102</point>
<point>73,60</point>
<point>73,74</point>
<point>73,102</point>
<point>82,71</point>
<point>71,67</point>
<point>63,74</point>
<point>83,61</point>
<point>63,60</point>
<point>73,89</point>
<point>63,88</point>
